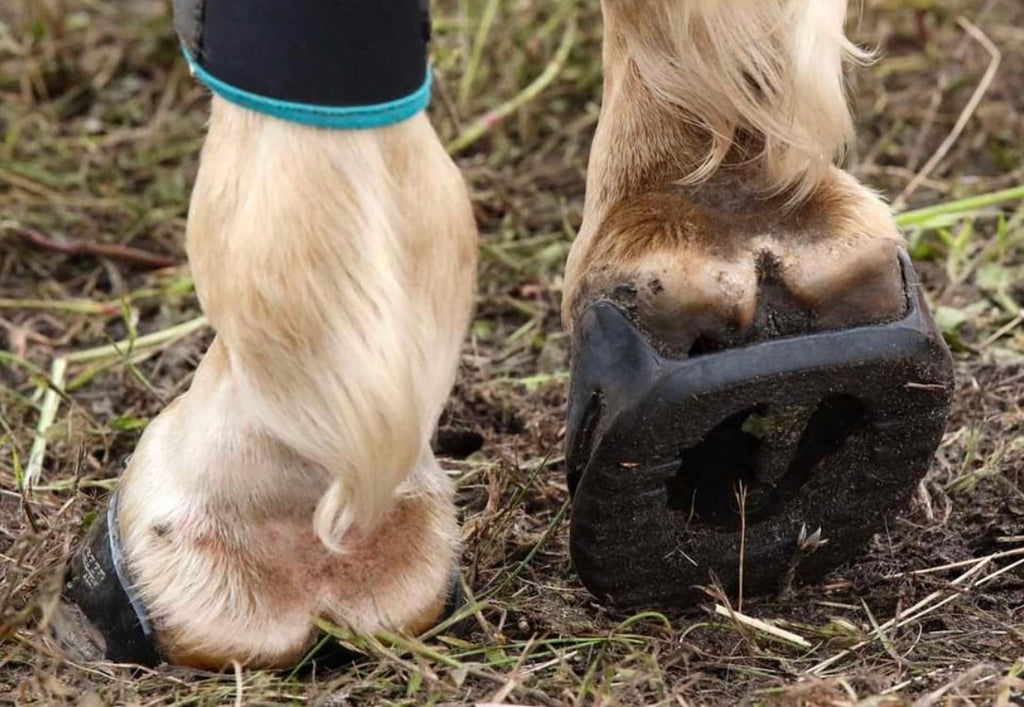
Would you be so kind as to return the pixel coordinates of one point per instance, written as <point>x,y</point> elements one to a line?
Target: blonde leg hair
<point>311,251</point>
<point>772,69</point>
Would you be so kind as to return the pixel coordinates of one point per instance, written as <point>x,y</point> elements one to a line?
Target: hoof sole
<point>828,431</point>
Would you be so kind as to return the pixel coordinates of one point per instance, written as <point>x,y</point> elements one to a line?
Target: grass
<point>100,127</point>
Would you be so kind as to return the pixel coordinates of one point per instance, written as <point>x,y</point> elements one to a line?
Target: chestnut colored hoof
<point>831,430</point>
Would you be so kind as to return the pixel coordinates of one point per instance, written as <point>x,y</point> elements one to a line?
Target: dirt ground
<point>101,127</point>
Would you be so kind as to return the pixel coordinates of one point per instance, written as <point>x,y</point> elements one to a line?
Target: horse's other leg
<point>719,239</point>
<point>295,479</point>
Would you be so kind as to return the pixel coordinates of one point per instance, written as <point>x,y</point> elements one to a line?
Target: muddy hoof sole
<point>669,459</point>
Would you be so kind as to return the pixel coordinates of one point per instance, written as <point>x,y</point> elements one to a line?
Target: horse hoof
<point>101,615</point>
<point>675,464</point>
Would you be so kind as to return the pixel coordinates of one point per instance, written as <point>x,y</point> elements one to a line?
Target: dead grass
<point>101,127</point>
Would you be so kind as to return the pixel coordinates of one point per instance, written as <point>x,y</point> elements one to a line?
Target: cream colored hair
<point>772,68</point>
<point>311,257</point>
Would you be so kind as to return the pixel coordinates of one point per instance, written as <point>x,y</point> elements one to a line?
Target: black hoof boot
<point>100,615</point>
<point>669,459</point>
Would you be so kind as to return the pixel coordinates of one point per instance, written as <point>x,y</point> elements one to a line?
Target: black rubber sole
<point>831,430</point>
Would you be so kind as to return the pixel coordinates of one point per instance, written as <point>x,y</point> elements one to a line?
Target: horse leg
<point>294,479</point>
<point>719,243</point>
